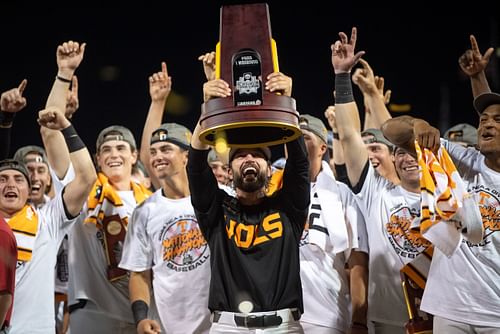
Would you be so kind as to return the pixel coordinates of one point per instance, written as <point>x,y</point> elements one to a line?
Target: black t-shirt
<point>254,249</point>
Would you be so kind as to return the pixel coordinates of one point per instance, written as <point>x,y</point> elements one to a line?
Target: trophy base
<point>274,123</point>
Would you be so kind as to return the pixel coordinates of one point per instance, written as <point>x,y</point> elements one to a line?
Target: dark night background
<point>415,49</point>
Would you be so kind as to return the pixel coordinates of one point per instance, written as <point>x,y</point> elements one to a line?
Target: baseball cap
<point>115,132</point>
<point>173,133</point>
<point>22,152</point>
<point>377,137</point>
<point>7,164</point>
<point>315,125</point>
<point>462,132</point>
<point>265,150</point>
<point>485,100</point>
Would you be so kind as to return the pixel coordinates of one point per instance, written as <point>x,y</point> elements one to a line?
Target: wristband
<point>73,141</point>
<point>343,88</point>
<point>6,119</point>
<point>140,311</point>
<point>63,79</point>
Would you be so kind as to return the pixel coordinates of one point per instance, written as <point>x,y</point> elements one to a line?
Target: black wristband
<point>140,311</point>
<point>6,119</point>
<point>343,88</point>
<point>63,79</point>
<point>73,141</point>
<point>335,135</point>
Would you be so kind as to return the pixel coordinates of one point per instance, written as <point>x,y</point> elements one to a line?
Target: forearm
<point>53,141</point>
<point>76,191</point>
<point>196,143</point>
<point>348,125</point>
<point>139,286</point>
<point>378,114</point>
<point>5,134</point>
<point>399,131</point>
<point>202,183</point>
<point>338,152</point>
<point>5,302</point>
<point>57,152</point>
<point>153,122</point>
<point>296,175</point>
<point>479,84</point>
<point>358,265</point>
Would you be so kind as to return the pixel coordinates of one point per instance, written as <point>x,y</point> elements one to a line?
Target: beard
<point>250,182</point>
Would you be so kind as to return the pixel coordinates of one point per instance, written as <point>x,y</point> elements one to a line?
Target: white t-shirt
<point>466,286</point>
<point>61,272</point>
<point>88,268</point>
<point>325,284</point>
<point>389,211</point>
<point>164,236</point>
<point>33,310</point>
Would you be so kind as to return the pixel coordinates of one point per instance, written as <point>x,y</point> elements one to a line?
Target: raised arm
<point>160,86</point>
<point>372,87</point>
<point>69,55</point>
<point>75,193</point>
<point>11,102</point>
<point>346,110</point>
<point>473,64</point>
<point>403,130</point>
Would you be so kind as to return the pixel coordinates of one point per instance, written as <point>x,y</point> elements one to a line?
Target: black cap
<point>485,100</point>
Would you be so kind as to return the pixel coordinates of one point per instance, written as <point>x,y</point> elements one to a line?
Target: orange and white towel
<point>447,209</point>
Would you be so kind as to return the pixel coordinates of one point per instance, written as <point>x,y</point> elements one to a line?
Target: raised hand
<point>379,82</point>
<point>330,116</point>
<point>69,56</point>
<point>365,79</point>
<point>160,84</point>
<point>426,135</point>
<point>215,88</point>
<point>53,118</point>
<point>343,56</point>
<point>279,83</point>
<point>472,61</point>
<point>13,100</point>
<point>72,102</point>
<point>208,60</point>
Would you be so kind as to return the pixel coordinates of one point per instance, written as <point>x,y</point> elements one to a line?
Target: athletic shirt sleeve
<point>206,197</point>
<point>296,186</point>
<point>54,215</point>
<point>355,219</point>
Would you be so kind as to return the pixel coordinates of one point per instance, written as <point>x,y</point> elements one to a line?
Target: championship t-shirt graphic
<point>184,247</point>
<point>407,243</point>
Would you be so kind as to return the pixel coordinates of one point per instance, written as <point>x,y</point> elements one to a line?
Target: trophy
<point>113,237</point>
<point>245,55</point>
<point>419,322</point>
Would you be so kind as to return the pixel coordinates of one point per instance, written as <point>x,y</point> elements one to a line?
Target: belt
<point>258,320</point>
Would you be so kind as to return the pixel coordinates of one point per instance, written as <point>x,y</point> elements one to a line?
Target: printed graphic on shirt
<point>406,242</point>
<point>246,236</point>
<point>184,248</point>
<point>314,216</point>
<point>489,204</point>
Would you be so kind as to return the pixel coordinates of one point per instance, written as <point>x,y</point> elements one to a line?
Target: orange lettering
<point>249,235</point>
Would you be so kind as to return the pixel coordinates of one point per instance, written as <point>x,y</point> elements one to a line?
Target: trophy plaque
<point>114,237</point>
<point>245,55</point>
